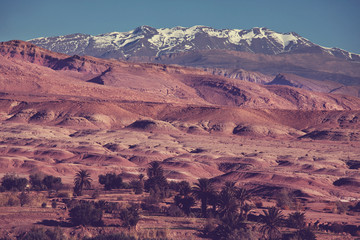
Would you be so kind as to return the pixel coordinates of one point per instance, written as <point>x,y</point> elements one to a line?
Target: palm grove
<point>227,207</point>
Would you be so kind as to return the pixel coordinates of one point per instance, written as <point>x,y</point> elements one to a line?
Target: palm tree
<point>82,180</point>
<point>227,198</point>
<point>242,195</point>
<point>156,184</point>
<point>296,220</point>
<point>245,210</point>
<point>184,203</point>
<point>227,203</point>
<point>230,188</point>
<point>184,188</point>
<point>272,219</point>
<point>231,226</point>
<point>214,201</point>
<point>155,170</point>
<point>203,190</point>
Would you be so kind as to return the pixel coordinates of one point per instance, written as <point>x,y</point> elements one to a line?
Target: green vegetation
<point>129,216</point>
<point>82,180</point>
<point>48,182</point>
<point>42,234</point>
<point>183,200</point>
<point>11,182</point>
<point>86,214</point>
<point>203,190</point>
<point>156,183</point>
<point>272,219</point>
<point>228,218</point>
<point>24,198</point>
<point>111,181</point>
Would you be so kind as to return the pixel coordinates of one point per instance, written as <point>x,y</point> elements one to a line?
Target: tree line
<point>230,205</point>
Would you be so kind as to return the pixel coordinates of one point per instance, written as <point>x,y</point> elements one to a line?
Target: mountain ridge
<point>148,41</point>
<point>26,68</point>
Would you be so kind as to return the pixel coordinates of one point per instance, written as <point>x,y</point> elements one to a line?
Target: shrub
<point>184,203</point>
<point>161,234</point>
<point>43,205</point>
<point>341,207</point>
<point>53,204</point>
<point>296,220</point>
<point>36,182</point>
<point>137,186</point>
<point>39,182</point>
<point>231,226</point>
<point>129,216</point>
<point>111,181</point>
<point>42,234</point>
<point>51,182</point>
<point>63,195</point>
<point>175,211</point>
<point>11,182</point>
<point>95,194</point>
<point>34,234</point>
<point>305,234</point>
<point>24,198</point>
<point>12,201</point>
<point>86,214</point>
<point>285,200</point>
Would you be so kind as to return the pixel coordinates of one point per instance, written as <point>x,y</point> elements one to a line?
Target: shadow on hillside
<point>54,223</point>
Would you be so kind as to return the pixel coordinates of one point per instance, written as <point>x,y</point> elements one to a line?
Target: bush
<point>34,234</point>
<point>52,183</point>
<point>53,204</point>
<point>111,181</point>
<point>95,194</point>
<point>150,204</point>
<point>43,205</point>
<point>63,195</point>
<point>12,201</point>
<point>39,182</point>
<point>36,182</point>
<point>137,186</point>
<point>341,207</point>
<point>129,216</point>
<point>305,234</point>
<point>24,198</point>
<point>42,234</point>
<point>86,214</point>
<point>285,200</point>
<point>184,203</point>
<point>175,211</point>
<point>11,182</point>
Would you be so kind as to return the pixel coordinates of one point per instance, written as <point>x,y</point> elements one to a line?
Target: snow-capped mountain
<point>146,41</point>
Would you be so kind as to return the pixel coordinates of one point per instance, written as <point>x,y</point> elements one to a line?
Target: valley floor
<point>269,166</point>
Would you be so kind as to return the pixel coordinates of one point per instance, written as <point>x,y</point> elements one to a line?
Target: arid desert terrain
<point>60,114</point>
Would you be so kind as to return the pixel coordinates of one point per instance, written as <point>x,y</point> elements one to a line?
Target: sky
<point>330,23</point>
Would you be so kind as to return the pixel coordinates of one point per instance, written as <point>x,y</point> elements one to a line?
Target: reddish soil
<point>60,114</point>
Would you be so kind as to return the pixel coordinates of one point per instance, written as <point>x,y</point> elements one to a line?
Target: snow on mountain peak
<point>149,41</point>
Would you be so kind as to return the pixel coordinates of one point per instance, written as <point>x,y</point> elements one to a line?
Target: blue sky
<point>330,23</point>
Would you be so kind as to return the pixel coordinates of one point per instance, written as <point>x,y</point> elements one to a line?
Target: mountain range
<point>283,122</point>
<point>146,41</point>
<point>255,55</point>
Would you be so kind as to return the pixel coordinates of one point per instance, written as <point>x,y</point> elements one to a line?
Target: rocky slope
<point>255,55</point>
<point>26,68</point>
